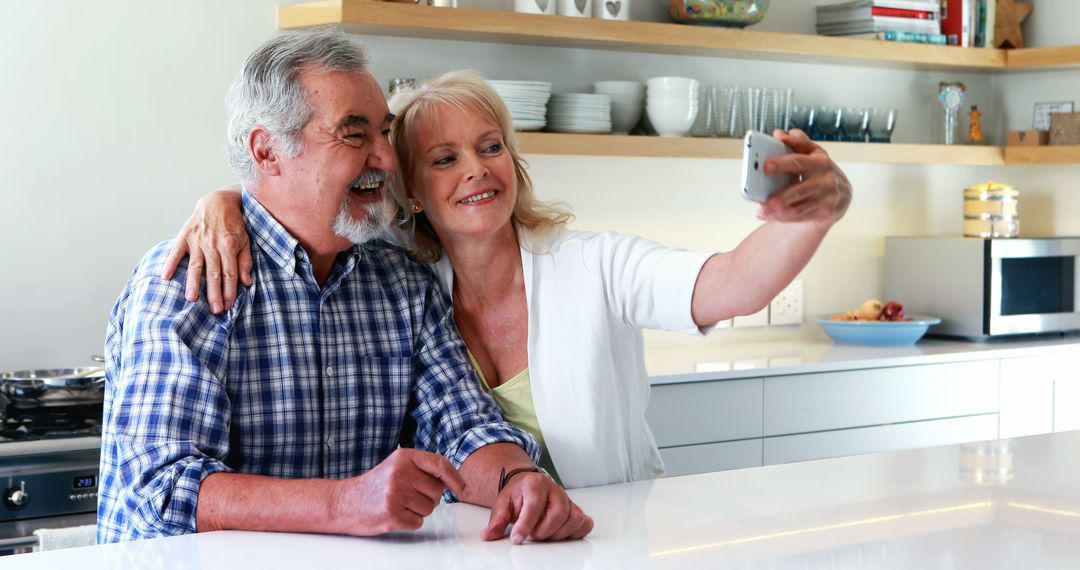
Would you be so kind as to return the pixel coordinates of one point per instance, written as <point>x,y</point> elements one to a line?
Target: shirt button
<point>329,442</point>
<point>329,370</point>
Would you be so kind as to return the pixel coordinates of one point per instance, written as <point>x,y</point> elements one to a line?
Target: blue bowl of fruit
<point>730,13</point>
<point>876,324</point>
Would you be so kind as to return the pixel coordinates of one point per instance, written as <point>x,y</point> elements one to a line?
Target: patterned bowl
<point>730,13</point>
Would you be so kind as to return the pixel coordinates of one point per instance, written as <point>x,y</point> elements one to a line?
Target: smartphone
<point>759,147</point>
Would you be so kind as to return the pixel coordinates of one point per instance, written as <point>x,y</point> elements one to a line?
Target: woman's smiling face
<point>463,176</point>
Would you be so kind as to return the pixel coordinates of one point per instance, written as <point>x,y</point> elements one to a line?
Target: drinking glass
<point>827,123</point>
<point>722,111</point>
<point>853,124</point>
<point>780,109</point>
<point>882,123</point>
<point>755,108</point>
<point>802,117</point>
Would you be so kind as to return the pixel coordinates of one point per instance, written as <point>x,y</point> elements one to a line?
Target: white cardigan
<point>589,296</point>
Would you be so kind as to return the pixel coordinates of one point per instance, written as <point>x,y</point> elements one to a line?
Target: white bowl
<point>671,122</point>
<point>673,102</point>
<point>620,88</point>
<point>685,84</point>
<point>624,118</point>
<point>672,108</point>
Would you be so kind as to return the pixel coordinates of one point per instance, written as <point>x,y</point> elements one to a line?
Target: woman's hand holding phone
<point>817,190</point>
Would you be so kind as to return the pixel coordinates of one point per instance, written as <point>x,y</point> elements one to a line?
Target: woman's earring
<point>415,206</point>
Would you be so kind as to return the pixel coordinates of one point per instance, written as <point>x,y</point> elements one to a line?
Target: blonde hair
<point>467,91</point>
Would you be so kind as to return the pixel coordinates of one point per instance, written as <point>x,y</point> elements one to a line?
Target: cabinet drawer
<point>693,459</point>
<point>705,412</point>
<point>1027,396</point>
<point>856,398</point>
<point>1067,395</point>
<point>785,449</point>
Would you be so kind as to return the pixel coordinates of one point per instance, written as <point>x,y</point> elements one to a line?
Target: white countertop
<point>1007,504</point>
<point>702,362</point>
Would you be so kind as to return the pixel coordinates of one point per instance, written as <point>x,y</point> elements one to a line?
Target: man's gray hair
<point>268,92</point>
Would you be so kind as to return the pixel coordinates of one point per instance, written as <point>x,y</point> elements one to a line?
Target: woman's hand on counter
<point>539,509</point>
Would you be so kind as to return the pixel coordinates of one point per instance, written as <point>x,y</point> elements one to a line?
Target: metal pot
<point>54,387</point>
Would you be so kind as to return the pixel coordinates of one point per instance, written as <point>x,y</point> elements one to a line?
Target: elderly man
<point>286,412</point>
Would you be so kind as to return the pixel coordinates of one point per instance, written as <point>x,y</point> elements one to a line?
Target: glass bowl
<point>730,13</point>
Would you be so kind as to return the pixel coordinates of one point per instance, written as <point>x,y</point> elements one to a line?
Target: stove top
<point>55,422</point>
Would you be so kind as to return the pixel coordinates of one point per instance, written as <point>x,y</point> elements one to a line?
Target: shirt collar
<point>276,241</point>
<point>270,235</point>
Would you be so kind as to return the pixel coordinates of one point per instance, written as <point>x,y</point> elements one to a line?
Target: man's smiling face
<point>339,177</point>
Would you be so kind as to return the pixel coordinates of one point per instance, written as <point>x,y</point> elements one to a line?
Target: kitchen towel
<point>71,537</point>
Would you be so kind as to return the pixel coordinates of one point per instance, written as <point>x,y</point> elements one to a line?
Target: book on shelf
<point>957,17</point>
<point>903,37</point>
<point>876,11</point>
<point>879,24</point>
<point>863,7</point>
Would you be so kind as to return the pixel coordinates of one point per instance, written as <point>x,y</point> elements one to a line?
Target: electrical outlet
<point>758,319</point>
<point>787,307</point>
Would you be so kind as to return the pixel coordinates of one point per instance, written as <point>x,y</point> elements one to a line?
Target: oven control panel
<point>48,494</point>
<point>45,485</point>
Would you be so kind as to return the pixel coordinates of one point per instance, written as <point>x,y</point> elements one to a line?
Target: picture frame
<point>1041,120</point>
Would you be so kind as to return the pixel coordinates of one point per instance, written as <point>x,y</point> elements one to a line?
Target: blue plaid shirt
<point>294,381</point>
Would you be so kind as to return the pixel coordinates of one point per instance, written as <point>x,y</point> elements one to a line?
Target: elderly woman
<point>553,317</point>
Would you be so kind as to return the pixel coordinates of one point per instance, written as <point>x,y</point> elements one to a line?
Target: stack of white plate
<point>527,101</point>
<point>579,113</point>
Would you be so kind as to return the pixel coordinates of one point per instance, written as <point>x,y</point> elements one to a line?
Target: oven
<point>50,444</point>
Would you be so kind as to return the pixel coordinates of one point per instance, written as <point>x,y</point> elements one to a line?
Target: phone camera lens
<point>755,165</point>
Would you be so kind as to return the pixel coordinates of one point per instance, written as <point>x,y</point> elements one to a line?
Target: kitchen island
<point>1012,503</point>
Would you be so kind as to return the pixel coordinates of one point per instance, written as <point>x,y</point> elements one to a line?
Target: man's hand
<point>539,509</point>
<point>396,495</point>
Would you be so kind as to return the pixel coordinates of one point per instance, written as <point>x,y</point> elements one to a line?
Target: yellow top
<point>515,398</point>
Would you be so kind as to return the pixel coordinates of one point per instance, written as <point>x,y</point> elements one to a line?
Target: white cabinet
<point>858,398</point>
<point>1039,394</point>
<point>837,443</point>
<point>692,459</point>
<point>1027,396</point>
<point>729,424</point>
<point>1067,394</point>
<point>705,412</point>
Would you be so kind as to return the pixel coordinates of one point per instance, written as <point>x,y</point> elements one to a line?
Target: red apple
<point>893,311</point>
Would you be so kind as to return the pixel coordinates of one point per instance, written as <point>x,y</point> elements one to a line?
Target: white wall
<point>114,126</point>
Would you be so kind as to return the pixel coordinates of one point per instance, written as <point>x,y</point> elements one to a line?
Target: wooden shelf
<point>412,20</point>
<point>1042,58</point>
<point>658,147</point>
<point>1065,154</point>
<point>561,144</point>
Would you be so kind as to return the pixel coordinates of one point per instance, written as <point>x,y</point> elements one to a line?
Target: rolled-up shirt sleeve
<point>453,415</point>
<point>166,421</point>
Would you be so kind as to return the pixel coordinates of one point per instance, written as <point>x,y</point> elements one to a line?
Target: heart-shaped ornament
<point>542,4</point>
<point>580,5</point>
<point>613,7</point>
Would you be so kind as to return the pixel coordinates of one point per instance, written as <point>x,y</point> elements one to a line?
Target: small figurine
<point>975,132</point>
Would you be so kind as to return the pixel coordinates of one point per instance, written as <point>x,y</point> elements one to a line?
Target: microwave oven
<point>982,288</point>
